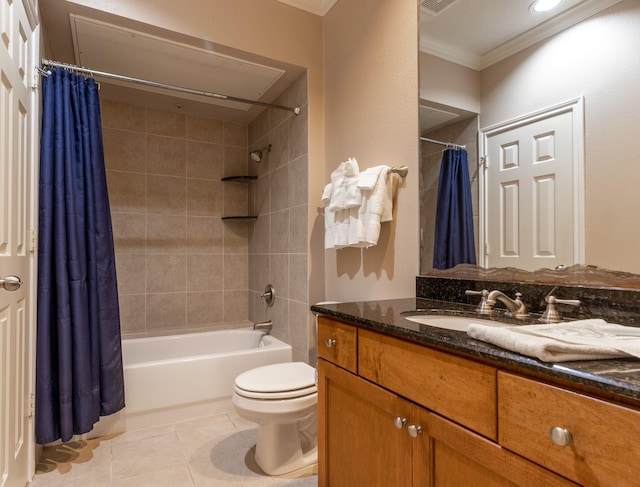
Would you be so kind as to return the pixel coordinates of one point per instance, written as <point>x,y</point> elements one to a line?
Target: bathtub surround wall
<point>279,238</point>
<point>179,266</point>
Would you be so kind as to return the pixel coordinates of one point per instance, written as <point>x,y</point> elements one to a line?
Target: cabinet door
<point>359,444</point>
<point>460,457</point>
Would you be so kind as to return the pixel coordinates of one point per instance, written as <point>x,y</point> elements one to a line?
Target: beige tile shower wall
<point>279,241</point>
<point>180,268</point>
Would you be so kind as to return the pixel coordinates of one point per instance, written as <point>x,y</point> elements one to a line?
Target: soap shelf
<point>239,218</point>
<point>240,179</point>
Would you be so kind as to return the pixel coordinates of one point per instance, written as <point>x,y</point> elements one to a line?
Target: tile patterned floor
<point>210,451</point>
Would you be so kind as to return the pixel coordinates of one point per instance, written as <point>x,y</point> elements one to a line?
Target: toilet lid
<point>295,378</point>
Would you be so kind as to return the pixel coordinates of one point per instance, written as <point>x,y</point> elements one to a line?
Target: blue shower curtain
<point>79,373</point>
<point>454,241</point>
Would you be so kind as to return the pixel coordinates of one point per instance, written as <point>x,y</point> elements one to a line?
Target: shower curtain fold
<point>454,238</point>
<point>79,374</point>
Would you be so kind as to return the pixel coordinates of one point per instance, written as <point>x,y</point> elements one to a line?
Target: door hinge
<point>34,241</point>
<point>31,405</point>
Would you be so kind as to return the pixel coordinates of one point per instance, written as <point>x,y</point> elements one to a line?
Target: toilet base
<point>284,448</point>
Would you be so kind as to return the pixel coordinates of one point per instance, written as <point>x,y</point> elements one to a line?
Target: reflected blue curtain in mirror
<point>454,240</point>
<point>79,373</point>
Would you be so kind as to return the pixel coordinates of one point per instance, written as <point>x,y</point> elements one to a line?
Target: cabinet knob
<point>414,430</point>
<point>331,342</point>
<point>399,422</point>
<point>560,436</point>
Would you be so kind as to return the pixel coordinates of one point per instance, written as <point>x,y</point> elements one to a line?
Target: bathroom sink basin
<point>460,323</point>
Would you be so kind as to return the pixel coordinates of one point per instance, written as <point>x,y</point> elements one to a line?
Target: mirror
<point>588,50</point>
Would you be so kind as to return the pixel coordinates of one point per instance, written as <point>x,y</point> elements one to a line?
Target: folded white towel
<point>369,177</point>
<point>345,193</point>
<point>562,342</point>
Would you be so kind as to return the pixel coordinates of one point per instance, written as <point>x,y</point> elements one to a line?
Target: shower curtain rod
<point>448,144</point>
<point>129,79</point>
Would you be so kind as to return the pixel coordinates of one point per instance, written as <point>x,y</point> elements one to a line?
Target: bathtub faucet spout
<point>265,326</point>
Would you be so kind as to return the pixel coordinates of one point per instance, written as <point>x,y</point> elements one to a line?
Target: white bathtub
<point>177,377</point>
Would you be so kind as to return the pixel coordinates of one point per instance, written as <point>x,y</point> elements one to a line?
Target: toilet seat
<point>277,381</point>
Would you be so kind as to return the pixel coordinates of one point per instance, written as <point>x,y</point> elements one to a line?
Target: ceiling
<point>473,33</point>
<point>477,34</point>
<point>94,39</point>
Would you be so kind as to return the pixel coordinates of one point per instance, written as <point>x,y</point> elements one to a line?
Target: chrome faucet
<point>515,307</point>
<point>265,326</point>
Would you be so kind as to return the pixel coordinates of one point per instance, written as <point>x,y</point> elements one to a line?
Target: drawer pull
<point>399,422</point>
<point>560,436</point>
<point>331,342</point>
<point>414,430</point>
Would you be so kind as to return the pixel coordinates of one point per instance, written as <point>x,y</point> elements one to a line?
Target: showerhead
<point>256,155</point>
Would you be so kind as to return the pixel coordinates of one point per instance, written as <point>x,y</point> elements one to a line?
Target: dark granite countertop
<point>619,378</point>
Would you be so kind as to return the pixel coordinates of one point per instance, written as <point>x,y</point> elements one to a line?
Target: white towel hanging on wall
<point>351,225</point>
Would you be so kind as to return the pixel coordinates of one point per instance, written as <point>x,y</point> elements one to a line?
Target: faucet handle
<point>551,314</point>
<point>484,307</point>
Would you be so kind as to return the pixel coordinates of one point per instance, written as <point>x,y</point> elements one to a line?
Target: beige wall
<point>596,59</point>
<point>371,93</point>
<point>449,84</point>
<point>362,60</point>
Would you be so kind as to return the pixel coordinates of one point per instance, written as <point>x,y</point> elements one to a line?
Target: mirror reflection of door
<point>532,185</point>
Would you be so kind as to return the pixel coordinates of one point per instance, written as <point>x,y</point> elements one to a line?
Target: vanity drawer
<point>337,343</point>
<point>462,390</point>
<point>604,447</point>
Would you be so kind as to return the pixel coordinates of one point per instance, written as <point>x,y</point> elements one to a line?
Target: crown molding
<point>547,29</point>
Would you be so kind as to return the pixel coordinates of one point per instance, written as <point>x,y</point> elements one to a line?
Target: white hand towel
<point>345,193</point>
<point>326,194</point>
<point>562,342</point>
<point>329,219</point>
<point>339,226</point>
<point>377,207</point>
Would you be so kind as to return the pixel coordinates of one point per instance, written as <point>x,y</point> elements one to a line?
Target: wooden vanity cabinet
<point>337,343</point>
<point>374,436</point>
<point>359,443</point>
<point>602,446</point>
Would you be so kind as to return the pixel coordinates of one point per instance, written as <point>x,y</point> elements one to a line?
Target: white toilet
<point>282,399</point>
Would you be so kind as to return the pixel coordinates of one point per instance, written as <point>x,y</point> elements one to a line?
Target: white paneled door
<point>19,134</point>
<point>532,217</point>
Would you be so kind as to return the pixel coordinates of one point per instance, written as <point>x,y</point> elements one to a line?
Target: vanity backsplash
<point>614,304</point>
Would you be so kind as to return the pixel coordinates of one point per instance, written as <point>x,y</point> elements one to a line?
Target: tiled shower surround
<point>180,266</point>
<point>278,240</point>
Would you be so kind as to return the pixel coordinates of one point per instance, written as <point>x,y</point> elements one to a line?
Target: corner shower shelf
<point>239,218</point>
<point>239,179</point>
